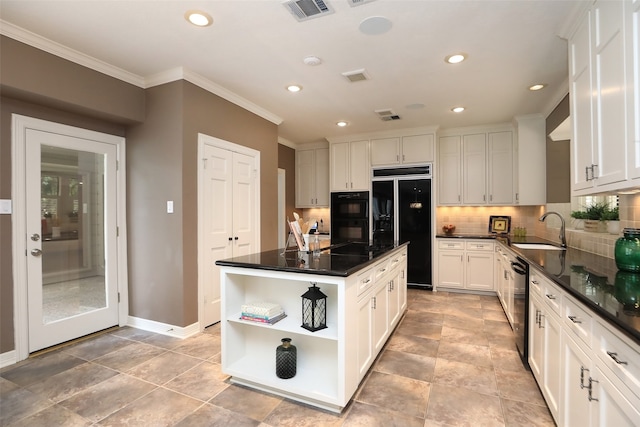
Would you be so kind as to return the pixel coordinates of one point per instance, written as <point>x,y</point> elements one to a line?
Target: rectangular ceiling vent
<point>356,75</point>
<point>353,3</point>
<point>387,115</point>
<point>303,10</point>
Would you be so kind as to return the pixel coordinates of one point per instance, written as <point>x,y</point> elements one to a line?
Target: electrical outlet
<point>5,207</point>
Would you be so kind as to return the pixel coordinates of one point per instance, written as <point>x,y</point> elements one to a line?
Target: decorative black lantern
<point>314,309</point>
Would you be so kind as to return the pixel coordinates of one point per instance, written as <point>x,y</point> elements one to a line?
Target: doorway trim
<point>19,126</point>
<point>203,140</point>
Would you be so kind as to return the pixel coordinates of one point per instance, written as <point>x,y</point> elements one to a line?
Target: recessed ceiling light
<point>342,123</point>
<point>294,88</point>
<point>198,18</point>
<point>537,86</point>
<point>455,58</point>
<point>457,109</point>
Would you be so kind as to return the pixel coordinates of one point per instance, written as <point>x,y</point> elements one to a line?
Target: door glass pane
<point>72,217</point>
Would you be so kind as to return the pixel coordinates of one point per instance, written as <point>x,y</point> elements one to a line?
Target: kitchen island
<point>366,297</point>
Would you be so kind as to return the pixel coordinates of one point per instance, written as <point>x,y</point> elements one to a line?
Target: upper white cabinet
<point>413,149</point>
<point>633,69</point>
<point>476,168</point>
<point>312,178</point>
<point>531,155</point>
<point>603,98</point>
<point>350,166</point>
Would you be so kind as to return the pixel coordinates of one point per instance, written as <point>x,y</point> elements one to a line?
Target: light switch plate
<point>169,206</point>
<point>5,207</point>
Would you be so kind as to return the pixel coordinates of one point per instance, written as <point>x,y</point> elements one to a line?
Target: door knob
<point>36,252</point>
<point>35,237</point>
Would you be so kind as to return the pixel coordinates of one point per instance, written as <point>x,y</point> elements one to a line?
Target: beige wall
<point>161,166</point>
<point>287,161</point>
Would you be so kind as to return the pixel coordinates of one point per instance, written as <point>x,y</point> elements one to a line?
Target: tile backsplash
<point>475,220</point>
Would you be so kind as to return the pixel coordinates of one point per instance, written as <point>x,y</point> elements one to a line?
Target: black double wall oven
<point>350,217</point>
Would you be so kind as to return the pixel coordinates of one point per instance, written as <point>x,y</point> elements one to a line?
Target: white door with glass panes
<point>71,210</point>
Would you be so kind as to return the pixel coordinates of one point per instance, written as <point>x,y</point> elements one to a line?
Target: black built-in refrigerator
<point>401,211</point>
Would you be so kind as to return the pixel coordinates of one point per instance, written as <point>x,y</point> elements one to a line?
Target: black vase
<point>286,359</point>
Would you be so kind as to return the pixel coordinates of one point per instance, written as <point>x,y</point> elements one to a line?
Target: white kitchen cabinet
<point>544,340</point>
<point>474,169</point>
<point>412,149</point>
<point>632,20</point>
<point>477,168</point>
<point>312,178</point>
<point>530,154</point>
<point>349,166</point>
<point>593,378</point>
<point>465,264</point>
<point>601,95</point>
<point>449,169</point>
<point>365,335</point>
<point>501,181</point>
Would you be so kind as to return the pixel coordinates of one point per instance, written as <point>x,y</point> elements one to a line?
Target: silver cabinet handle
<point>573,319</point>
<point>614,356</point>
<point>591,381</point>
<point>550,296</point>
<point>36,252</point>
<point>582,369</point>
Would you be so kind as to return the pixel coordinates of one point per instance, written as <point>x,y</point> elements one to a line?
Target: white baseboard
<point>163,328</point>
<point>8,358</point>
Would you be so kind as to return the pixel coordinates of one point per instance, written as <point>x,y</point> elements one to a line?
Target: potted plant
<point>594,217</point>
<point>612,217</point>
<point>579,217</point>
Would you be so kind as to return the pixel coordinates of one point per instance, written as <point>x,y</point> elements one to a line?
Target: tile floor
<point>451,362</point>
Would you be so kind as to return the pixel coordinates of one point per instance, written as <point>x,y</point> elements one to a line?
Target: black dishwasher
<point>521,307</point>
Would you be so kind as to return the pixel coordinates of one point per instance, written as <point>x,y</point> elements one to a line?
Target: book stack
<point>262,312</point>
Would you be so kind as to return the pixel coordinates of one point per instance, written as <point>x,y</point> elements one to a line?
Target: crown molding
<point>287,143</point>
<point>49,46</point>
<point>180,73</point>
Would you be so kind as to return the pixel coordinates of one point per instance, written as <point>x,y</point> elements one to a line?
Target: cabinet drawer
<point>365,281</point>
<point>451,244</point>
<point>382,268</point>
<point>535,284</point>
<point>480,246</point>
<point>620,357</point>
<point>578,321</point>
<point>552,296</point>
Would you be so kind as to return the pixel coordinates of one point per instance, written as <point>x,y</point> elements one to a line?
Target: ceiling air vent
<point>356,75</point>
<point>303,10</point>
<point>387,115</point>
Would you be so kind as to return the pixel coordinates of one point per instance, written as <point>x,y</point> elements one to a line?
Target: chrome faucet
<point>563,239</point>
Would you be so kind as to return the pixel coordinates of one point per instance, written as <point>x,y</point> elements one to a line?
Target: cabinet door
<point>360,165</point>
<point>339,166</point>
<point>365,335</point>
<point>479,271</point>
<point>394,299</point>
<point>450,271</point>
<point>385,151</point>
<point>305,173</point>
<point>535,339</point>
<point>449,172</point>
<point>501,176</point>
<point>417,149</point>
<point>612,408</point>
<point>474,169</point>
<point>633,69</point>
<point>610,94</point>
<point>321,168</point>
<point>576,367</point>
<point>581,107</point>
<point>552,371</point>
<point>380,315</point>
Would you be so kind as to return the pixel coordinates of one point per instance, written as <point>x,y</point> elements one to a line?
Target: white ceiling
<point>255,48</point>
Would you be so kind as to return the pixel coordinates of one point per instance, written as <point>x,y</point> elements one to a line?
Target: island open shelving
<point>327,360</point>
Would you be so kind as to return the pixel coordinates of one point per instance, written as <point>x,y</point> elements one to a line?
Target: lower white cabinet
<point>465,264</point>
<point>380,308</point>
<point>589,373</point>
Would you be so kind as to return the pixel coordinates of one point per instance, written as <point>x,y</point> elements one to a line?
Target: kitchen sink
<point>542,246</point>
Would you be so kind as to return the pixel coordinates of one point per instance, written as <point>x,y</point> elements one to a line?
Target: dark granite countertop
<point>336,260</point>
<point>591,279</point>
